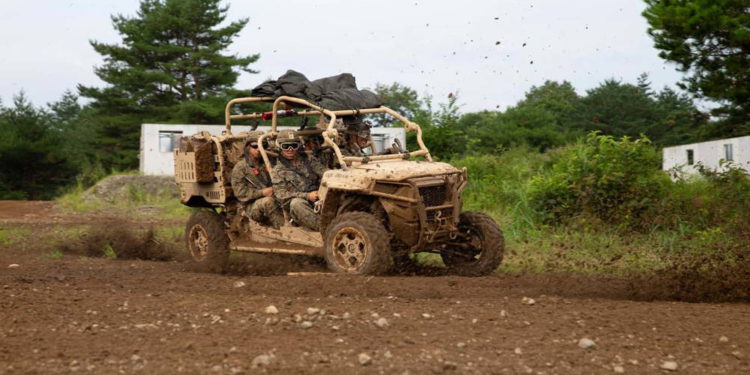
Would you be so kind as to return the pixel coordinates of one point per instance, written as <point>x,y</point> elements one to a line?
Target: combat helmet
<point>287,136</point>
<point>251,136</point>
<point>360,128</point>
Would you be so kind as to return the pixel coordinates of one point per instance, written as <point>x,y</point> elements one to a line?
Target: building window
<point>690,157</point>
<point>169,140</point>
<point>728,154</point>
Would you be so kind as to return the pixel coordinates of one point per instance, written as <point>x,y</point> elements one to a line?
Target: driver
<point>296,179</point>
<point>357,138</point>
<point>251,184</point>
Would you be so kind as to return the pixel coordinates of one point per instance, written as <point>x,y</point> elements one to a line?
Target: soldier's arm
<point>242,188</point>
<point>283,189</point>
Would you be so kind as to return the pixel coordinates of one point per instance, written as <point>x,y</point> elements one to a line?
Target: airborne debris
<point>527,301</point>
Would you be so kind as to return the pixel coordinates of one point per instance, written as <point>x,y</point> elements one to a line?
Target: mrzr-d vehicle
<point>372,209</point>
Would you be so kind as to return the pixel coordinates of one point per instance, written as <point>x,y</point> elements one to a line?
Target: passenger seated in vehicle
<point>314,147</point>
<point>251,183</point>
<point>296,179</point>
<point>357,138</point>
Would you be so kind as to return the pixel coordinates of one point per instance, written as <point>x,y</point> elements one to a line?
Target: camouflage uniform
<point>248,182</point>
<point>358,129</point>
<point>293,180</point>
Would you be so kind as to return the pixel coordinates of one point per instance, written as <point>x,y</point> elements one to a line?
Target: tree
<point>399,98</point>
<point>33,164</point>
<point>171,67</point>
<point>616,108</point>
<point>709,40</point>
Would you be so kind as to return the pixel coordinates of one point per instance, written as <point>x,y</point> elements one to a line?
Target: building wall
<point>707,154</point>
<point>160,161</point>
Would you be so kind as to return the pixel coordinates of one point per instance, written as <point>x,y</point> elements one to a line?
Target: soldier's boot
<point>303,213</point>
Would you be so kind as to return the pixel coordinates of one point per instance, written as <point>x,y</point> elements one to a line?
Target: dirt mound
<point>133,188</point>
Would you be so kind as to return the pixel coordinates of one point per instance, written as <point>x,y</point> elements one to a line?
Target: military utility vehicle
<point>373,209</point>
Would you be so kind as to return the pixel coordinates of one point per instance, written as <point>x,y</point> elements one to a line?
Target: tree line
<point>172,67</point>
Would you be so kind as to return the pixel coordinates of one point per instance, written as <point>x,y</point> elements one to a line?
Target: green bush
<point>713,200</point>
<point>498,185</point>
<point>601,177</point>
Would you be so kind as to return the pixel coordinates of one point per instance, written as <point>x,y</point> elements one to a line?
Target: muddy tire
<point>481,252</point>
<point>207,241</point>
<point>357,243</point>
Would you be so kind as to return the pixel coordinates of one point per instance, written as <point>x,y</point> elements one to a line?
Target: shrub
<point>498,185</point>
<point>601,177</point>
<point>714,199</point>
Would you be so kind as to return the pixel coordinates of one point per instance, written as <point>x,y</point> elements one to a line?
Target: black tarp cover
<point>335,93</point>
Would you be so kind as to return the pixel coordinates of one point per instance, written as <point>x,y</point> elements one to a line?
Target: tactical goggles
<point>290,146</point>
<point>254,145</point>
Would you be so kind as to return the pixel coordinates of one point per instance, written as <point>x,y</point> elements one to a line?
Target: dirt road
<point>90,315</point>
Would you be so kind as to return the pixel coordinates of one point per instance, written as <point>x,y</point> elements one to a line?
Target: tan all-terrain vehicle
<point>374,210</point>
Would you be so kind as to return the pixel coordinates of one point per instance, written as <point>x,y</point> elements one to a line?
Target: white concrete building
<point>709,154</point>
<point>159,140</point>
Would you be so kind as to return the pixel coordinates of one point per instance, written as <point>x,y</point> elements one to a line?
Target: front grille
<point>433,195</point>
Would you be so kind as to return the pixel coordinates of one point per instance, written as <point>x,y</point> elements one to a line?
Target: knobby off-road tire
<point>207,241</point>
<point>357,243</point>
<point>484,250</point>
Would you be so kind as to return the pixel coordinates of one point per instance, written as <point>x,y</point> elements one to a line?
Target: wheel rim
<point>350,249</point>
<point>198,242</point>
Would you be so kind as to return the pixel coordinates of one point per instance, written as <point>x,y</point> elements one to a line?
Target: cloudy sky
<point>488,52</point>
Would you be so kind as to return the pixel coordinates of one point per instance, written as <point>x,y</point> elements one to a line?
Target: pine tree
<point>33,164</point>
<point>171,67</point>
<point>710,41</point>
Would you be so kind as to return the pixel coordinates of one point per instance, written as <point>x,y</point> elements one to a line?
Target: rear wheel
<point>357,243</point>
<point>207,241</point>
<point>480,250</point>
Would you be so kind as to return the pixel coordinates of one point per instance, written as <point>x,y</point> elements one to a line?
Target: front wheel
<point>207,241</point>
<point>357,243</point>
<point>478,251</point>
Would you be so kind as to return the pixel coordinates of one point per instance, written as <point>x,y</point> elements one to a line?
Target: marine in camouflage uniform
<point>251,184</point>
<point>357,137</point>
<point>296,179</point>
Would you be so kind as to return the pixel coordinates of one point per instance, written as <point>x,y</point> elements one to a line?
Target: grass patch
<point>54,254</point>
<point>11,236</point>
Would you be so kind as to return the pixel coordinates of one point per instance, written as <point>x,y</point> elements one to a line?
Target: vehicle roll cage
<point>329,133</point>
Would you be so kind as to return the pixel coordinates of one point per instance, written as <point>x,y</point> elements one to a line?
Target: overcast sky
<point>435,47</point>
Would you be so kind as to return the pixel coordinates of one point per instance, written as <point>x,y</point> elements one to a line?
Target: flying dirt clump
<point>121,241</point>
<point>721,276</point>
